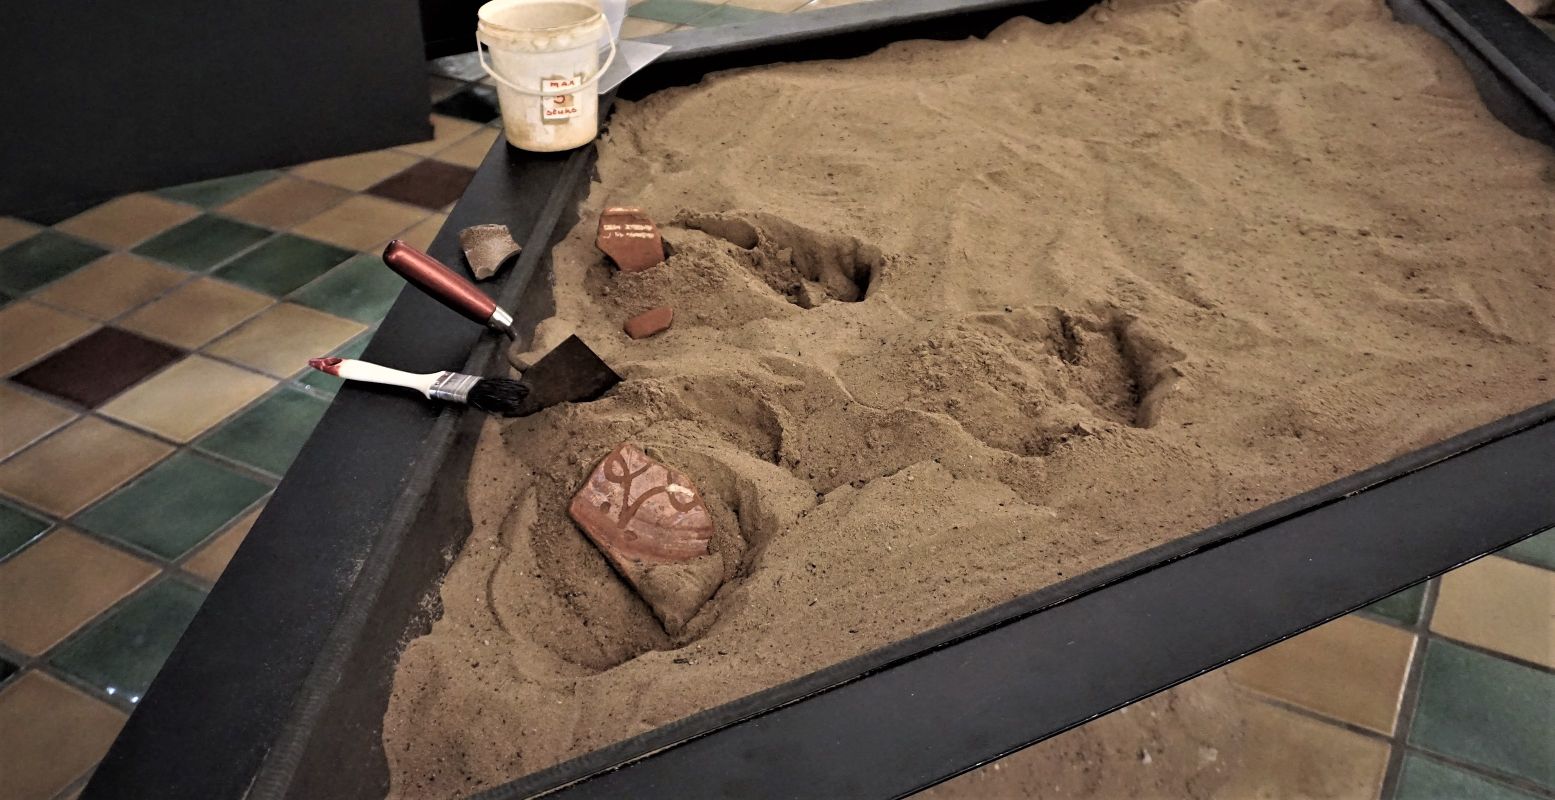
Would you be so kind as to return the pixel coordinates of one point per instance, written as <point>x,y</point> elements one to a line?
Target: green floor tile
<point>173,507</point>
<point>322,384</point>
<point>729,15</point>
<point>17,528</point>
<point>1428,779</point>
<point>284,263</point>
<point>124,650</point>
<point>202,242</point>
<point>361,289</point>
<point>268,435</point>
<point>1401,607</point>
<point>218,191</point>
<point>42,258</point>
<point>1483,710</point>
<point>677,11</point>
<point>1538,550</point>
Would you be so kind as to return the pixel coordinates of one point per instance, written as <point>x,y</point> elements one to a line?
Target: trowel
<point>570,373</point>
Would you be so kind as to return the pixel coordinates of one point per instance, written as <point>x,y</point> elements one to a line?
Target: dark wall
<point>101,97</point>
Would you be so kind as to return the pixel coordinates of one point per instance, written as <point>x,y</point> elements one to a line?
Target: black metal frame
<point>279,686</point>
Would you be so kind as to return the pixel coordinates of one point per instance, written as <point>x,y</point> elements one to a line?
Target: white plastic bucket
<point>544,56</point>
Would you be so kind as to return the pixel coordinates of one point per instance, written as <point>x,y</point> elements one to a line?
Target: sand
<point>955,321</point>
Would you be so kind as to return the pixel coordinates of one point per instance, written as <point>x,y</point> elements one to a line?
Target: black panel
<point>103,98</point>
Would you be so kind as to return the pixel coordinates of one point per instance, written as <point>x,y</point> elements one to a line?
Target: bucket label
<point>562,107</point>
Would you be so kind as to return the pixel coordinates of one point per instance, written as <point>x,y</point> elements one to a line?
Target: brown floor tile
<point>98,366</point>
<point>430,184</point>
<point>362,222</point>
<point>355,172</point>
<point>59,584</point>
<point>188,398</point>
<point>31,331</point>
<point>445,131</point>
<point>77,464</point>
<point>209,561</point>
<point>111,286</point>
<point>1500,605</point>
<point>284,202</point>
<point>28,418</point>
<point>421,235</point>
<point>128,220</point>
<point>1282,745</point>
<point>50,735</point>
<point>471,150</point>
<point>1350,669</point>
<point>280,341</point>
<point>13,230</point>
<point>636,27</point>
<point>196,312</point>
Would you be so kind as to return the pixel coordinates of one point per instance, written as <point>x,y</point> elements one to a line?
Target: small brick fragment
<point>650,322</point>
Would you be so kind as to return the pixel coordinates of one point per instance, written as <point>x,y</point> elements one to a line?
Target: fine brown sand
<point>955,321</point>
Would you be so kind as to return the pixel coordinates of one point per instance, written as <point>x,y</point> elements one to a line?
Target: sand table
<point>955,321</point>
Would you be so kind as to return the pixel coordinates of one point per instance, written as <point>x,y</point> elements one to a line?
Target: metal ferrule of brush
<point>502,321</point>
<point>453,387</point>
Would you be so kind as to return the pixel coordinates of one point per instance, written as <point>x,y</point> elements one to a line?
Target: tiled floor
<point>152,353</point>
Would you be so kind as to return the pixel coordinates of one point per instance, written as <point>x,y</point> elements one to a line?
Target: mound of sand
<point>958,320</point>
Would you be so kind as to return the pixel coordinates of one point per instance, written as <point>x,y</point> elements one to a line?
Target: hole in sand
<point>808,267</point>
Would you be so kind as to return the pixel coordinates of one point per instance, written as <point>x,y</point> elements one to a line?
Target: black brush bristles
<point>501,396</point>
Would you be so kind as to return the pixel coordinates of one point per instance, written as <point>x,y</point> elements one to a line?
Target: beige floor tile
<point>188,398</point>
<point>284,202</point>
<point>471,150</point>
<point>13,230</point>
<point>421,235</point>
<point>1350,669</point>
<point>280,341</point>
<point>128,220</point>
<point>819,4</point>
<point>1281,746</point>
<point>775,6</point>
<point>111,286</point>
<point>362,222</point>
<point>30,331</point>
<point>196,312</point>
<point>1500,605</point>
<point>26,419</point>
<point>445,131</point>
<point>50,735</point>
<point>356,172</point>
<point>78,464</point>
<point>57,585</point>
<point>209,561</point>
<point>634,27</point>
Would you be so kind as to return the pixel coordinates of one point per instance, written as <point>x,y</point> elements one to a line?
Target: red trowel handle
<point>445,286</point>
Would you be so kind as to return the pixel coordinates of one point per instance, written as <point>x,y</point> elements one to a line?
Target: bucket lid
<point>532,16</point>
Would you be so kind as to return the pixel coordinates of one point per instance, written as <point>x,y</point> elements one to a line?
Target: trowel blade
<point>570,373</point>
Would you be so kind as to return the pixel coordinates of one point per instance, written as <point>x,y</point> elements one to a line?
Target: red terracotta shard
<point>652,524</point>
<point>652,321</point>
<point>630,238</point>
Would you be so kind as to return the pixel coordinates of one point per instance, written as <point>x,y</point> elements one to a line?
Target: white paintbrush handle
<point>451,386</point>
<point>353,370</point>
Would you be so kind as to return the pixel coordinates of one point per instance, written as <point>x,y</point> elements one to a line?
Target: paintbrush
<point>569,373</point>
<point>501,396</point>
